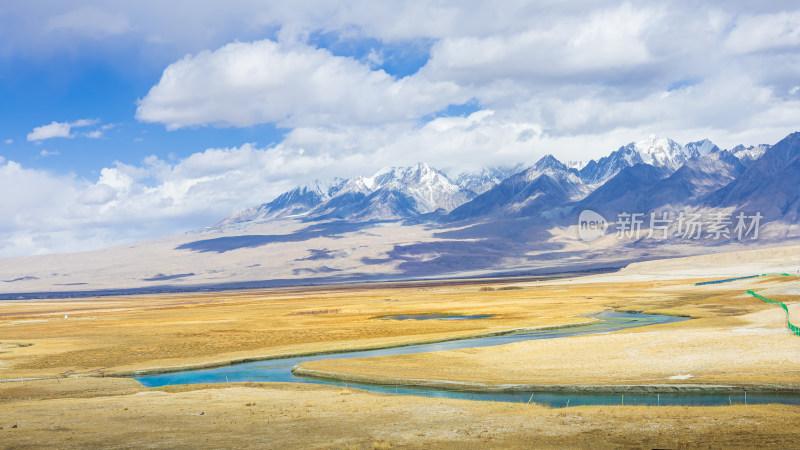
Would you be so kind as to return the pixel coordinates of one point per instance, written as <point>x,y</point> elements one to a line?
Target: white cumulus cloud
<point>52,130</point>
<point>582,47</point>
<point>58,129</point>
<point>243,84</point>
<point>576,79</point>
<point>51,213</point>
<point>766,32</point>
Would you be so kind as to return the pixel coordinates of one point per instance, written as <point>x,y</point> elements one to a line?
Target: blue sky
<point>104,83</point>
<point>125,121</point>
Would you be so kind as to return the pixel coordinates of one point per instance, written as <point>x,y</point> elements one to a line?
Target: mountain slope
<point>396,193</point>
<point>431,189</point>
<point>698,149</point>
<point>749,154</point>
<point>695,179</point>
<point>605,168</point>
<point>658,152</point>
<point>625,192</point>
<point>547,184</point>
<point>769,185</point>
<point>392,193</point>
<point>487,178</point>
<point>296,202</point>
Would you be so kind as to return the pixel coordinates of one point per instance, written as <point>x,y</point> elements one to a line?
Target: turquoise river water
<point>280,370</point>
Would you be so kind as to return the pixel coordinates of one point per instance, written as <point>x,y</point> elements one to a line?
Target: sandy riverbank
<point>111,413</point>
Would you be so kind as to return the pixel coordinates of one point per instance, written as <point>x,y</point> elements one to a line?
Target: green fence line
<point>794,329</point>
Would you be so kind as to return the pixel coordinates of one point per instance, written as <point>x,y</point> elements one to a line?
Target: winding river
<point>280,370</point>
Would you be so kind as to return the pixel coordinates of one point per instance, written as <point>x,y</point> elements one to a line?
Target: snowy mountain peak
<point>659,152</point>
<point>486,178</point>
<point>429,187</point>
<point>296,202</point>
<point>598,172</point>
<point>577,165</point>
<point>423,173</point>
<point>700,148</point>
<point>391,193</point>
<point>663,152</point>
<point>549,162</point>
<point>749,154</point>
<point>418,173</point>
<point>357,184</point>
<point>395,192</point>
<point>558,171</point>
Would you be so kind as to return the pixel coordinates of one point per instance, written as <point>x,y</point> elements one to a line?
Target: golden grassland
<point>283,415</point>
<point>734,339</point>
<point>126,334</point>
<point>141,333</point>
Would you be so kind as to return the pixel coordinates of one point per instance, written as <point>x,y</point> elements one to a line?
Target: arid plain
<point>63,362</point>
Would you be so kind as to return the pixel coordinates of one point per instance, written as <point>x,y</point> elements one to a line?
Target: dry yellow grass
<point>117,335</point>
<point>123,335</point>
<point>733,341</point>
<point>278,415</point>
<point>114,335</point>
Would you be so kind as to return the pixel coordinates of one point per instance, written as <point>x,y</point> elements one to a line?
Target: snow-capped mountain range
<point>646,173</point>
<point>391,193</point>
<point>659,152</point>
<point>487,178</point>
<point>547,184</point>
<point>748,154</point>
<point>417,222</point>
